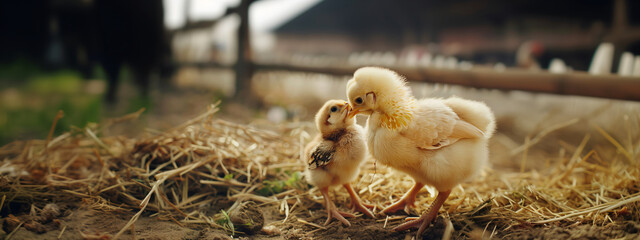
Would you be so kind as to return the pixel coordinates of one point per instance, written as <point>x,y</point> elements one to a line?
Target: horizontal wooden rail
<point>574,83</point>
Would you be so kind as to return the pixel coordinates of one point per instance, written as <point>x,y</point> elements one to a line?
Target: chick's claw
<point>353,206</point>
<point>333,212</point>
<point>403,204</point>
<point>357,204</point>
<point>423,222</point>
<point>363,208</point>
<point>408,200</point>
<point>408,219</point>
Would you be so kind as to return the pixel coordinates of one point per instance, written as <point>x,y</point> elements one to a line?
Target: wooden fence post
<point>244,62</point>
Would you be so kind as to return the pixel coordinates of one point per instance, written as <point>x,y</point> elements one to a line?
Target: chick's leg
<point>426,218</point>
<point>407,200</point>
<point>332,210</point>
<point>357,203</point>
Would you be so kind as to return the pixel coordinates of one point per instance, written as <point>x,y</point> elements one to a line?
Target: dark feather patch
<point>321,155</point>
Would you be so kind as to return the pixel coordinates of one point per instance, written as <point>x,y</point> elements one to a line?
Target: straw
<point>172,173</point>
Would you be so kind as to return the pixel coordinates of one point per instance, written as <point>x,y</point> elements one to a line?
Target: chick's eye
<point>359,100</point>
<point>334,109</point>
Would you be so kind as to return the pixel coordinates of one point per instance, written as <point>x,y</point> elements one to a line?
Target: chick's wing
<point>321,155</point>
<point>437,127</point>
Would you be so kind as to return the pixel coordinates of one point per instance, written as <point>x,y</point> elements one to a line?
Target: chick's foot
<point>408,200</point>
<point>332,210</point>
<point>425,220</point>
<point>363,208</point>
<point>421,223</point>
<point>357,204</point>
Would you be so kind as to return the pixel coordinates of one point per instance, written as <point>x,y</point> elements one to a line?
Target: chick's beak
<point>351,112</point>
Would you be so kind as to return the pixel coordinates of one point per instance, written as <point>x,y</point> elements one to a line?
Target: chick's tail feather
<point>476,113</point>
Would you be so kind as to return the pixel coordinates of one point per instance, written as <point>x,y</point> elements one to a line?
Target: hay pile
<point>174,174</point>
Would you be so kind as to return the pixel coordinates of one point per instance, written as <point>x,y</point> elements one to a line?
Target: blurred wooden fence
<point>573,83</point>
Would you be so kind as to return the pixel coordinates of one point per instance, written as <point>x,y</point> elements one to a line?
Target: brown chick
<point>438,142</point>
<point>335,156</point>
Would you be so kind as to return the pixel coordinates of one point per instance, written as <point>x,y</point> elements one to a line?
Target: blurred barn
<point>82,34</point>
<point>486,31</point>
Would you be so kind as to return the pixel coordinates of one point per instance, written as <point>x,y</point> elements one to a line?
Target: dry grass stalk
<point>311,224</point>
<point>62,231</point>
<point>448,229</point>
<point>10,235</point>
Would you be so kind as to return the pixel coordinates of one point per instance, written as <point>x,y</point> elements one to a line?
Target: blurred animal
<point>335,156</point>
<point>131,32</point>
<point>438,142</point>
<point>528,55</point>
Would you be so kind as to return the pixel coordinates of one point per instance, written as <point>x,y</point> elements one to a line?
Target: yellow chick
<point>438,142</point>
<point>335,156</point>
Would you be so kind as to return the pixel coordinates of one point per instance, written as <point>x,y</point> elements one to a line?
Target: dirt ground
<point>82,223</point>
